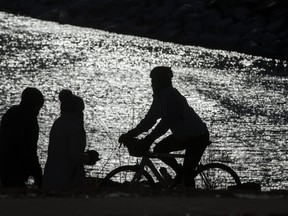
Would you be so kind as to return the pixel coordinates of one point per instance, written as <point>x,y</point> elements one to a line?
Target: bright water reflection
<point>245,110</point>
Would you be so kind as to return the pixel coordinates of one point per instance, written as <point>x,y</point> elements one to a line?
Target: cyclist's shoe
<point>190,183</point>
<point>177,180</point>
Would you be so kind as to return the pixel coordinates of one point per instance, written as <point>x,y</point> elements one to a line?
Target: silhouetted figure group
<point>19,133</point>
<point>64,168</point>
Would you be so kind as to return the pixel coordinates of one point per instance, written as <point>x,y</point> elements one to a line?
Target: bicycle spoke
<point>216,177</point>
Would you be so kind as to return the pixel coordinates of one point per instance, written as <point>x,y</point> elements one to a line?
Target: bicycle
<point>211,176</point>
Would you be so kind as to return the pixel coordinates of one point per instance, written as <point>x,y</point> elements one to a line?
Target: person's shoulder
<point>12,111</point>
<point>172,92</point>
<point>62,125</point>
<point>11,116</point>
<point>14,108</point>
<point>62,122</point>
<point>173,96</point>
<point>67,122</point>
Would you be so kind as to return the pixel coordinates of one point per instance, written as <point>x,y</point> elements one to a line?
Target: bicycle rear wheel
<point>216,176</point>
<point>122,176</point>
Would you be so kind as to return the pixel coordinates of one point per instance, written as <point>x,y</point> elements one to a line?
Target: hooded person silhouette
<point>64,169</point>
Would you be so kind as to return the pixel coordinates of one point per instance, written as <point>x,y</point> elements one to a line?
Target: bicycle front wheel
<point>216,176</point>
<point>122,176</point>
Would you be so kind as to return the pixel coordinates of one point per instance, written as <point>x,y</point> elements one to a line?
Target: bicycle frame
<point>145,161</point>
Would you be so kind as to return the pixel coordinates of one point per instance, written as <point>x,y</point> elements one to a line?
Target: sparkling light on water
<point>246,110</point>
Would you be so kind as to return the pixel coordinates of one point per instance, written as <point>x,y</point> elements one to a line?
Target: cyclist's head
<point>161,78</point>
<point>161,72</point>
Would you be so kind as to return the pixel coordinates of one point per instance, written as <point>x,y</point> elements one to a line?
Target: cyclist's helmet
<point>161,72</point>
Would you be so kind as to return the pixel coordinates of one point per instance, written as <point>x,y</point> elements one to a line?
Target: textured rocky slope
<point>258,27</point>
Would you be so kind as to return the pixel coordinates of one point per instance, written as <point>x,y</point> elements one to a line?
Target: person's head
<point>32,99</point>
<point>71,103</point>
<point>161,78</point>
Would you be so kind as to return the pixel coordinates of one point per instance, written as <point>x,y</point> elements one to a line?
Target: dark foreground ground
<point>111,201</point>
<point>144,206</point>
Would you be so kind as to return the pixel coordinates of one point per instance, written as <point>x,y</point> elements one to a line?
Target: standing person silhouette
<point>18,141</point>
<point>64,169</point>
<point>189,132</point>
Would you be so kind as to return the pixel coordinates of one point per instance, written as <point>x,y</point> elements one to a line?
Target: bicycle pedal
<point>167,177</point>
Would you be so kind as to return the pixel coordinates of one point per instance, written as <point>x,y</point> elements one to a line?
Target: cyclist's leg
<point>194,151</point>
<point>167,145</point>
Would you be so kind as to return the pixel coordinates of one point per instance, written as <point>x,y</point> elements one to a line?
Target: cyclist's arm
<point>149,120</point>
<point>171,110</point>
<point>158,131</point>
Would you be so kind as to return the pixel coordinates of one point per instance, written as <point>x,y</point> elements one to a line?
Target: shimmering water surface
<point>246,110</point>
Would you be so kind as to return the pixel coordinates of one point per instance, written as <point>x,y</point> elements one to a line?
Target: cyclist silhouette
<point>189,132</point>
